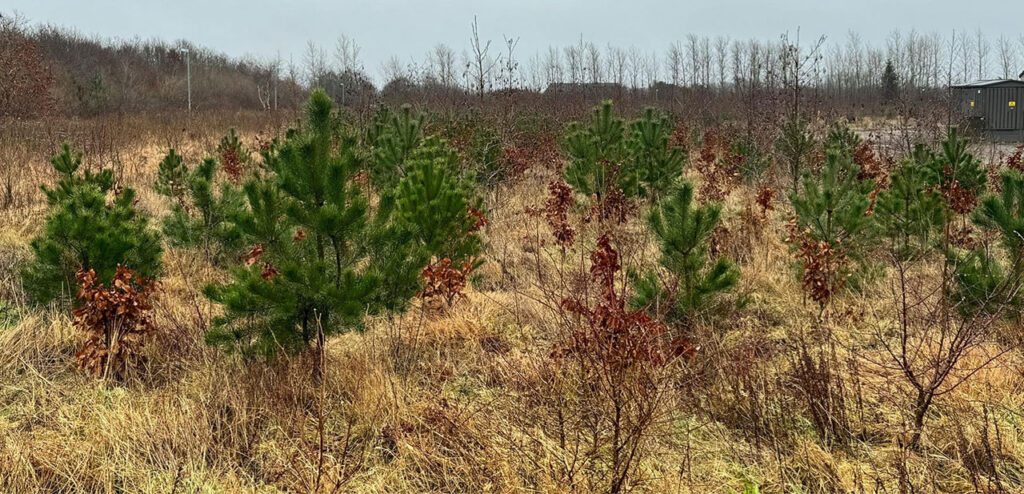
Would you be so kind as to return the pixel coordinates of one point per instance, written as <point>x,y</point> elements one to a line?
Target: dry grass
<point>434,401</point>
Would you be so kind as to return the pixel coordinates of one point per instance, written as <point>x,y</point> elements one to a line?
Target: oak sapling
<point>233,156</point>
<point>116,319</point>
<point>619,364</point>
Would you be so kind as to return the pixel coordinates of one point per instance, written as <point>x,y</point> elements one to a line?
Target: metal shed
<point>994,107</point>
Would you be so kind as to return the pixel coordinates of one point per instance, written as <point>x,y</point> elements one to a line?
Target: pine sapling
<point>683,231</point>
<point>86,230</point>
<point>597,156</point>
<point>657,163</point>
<point>321,259</point>
<point>833,229</point>
<point>202,216</point>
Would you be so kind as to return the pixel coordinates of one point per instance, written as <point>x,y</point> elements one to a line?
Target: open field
<point>779,393</point>
<point>785,264</point>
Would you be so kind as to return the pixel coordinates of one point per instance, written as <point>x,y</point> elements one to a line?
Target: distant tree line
<point>86,76</point>
<point>55,69</point>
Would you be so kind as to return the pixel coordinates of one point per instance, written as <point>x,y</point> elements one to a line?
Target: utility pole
<point>188,78</point>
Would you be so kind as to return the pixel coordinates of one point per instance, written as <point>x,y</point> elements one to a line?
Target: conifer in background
<point>682,230</point>
<point>321,259</point>
<point>200,217</point>
<point>657,163</point>
<point>890,83</point>
<point>87,230</point>
<point>392,138</point>
<point>437,205</point>
<point>910,211</point>
<point>597,156</point>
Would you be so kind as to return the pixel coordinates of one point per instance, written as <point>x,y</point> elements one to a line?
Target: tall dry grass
<point>449,401</point>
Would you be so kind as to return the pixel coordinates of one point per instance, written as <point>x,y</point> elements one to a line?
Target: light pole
<point>188,77</point>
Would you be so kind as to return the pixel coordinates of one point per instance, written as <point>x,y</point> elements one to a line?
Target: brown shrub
<point>116,321</point>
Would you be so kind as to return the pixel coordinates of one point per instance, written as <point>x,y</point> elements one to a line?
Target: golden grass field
<point>440,400</point>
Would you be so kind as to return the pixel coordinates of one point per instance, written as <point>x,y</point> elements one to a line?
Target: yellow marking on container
<point>1013,104</point>
<point>972,103</point>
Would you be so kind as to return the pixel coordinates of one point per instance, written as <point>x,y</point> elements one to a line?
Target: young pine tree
<point>834,206</point>
<point>832,228</point>
<point>841,140</point>
<point>795,145</point>
<point>434,202</point>
<point>910,211</point>
<point>393,137</point>
<point>657,164</point>
<point>958,175</point>
<point>597,156</point>
<point>85,231</point>
<point>682,230</point>
<point>200,217</point>
<point>172,176</point>
<point>981,280</point>
<point>322,259</point>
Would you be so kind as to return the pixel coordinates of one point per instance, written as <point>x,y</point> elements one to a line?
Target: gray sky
<point>408,29</point>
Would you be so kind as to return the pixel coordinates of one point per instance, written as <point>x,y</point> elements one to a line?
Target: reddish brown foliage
<point>610,334</point>
<point>764,200</point>
<point>870,166</point>
<point>823,265</point>
<point>680,137</point>
<point>556,212</point>
<point>1015,159</point>
<point>445,282</point>
<point>231,160</point>
<point>263,142</point>
<point>613,206</point>
<point>519,158</point>
<point>255,252</point>
<point>25,78</point>
<point>115,320</point>
<point>961,200</point>
<point>269,272</point>
<point>479,220</point>
<point>718,166</point>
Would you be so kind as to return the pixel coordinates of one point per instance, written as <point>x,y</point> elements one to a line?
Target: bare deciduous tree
<point>1007,57</point>
<point>674,63</point>
<point>553,71</point>
<point>442,63</point>
<point>346,53</point>
<point>482,63</point>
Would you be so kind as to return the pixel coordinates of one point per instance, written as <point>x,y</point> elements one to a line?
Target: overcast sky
<point>408,29</point>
